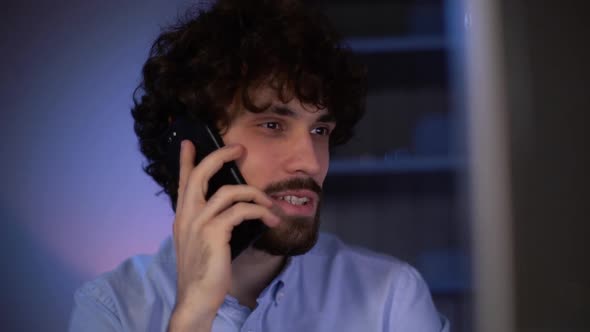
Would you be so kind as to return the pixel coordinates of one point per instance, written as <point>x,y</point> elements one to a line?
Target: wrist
<point>191,318</point>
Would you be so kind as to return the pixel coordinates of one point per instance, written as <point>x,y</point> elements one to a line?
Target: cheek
<point>324,161</point>
<point>257,165</point>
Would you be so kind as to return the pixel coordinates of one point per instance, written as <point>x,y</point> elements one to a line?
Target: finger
<point>239,212</point>
<point>229,195</point>
<point>198,180</point>
<point>187,160</point>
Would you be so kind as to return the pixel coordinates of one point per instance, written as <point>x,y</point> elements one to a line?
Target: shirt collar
<point>276,289</point>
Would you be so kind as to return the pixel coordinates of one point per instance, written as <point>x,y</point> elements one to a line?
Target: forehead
<point>268,100</point>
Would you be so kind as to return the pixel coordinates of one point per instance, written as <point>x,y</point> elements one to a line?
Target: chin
<point>295,236</point>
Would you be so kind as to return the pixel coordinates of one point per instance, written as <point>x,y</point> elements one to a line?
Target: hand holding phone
<point>206,140</point>
<point>204,227</point>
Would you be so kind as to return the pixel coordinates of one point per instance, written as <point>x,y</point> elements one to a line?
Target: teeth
<point>295,200</point>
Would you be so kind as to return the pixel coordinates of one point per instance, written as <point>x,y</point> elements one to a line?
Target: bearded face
<point>297,233</point>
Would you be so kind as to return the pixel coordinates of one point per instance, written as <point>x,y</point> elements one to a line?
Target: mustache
<point>294,184</point>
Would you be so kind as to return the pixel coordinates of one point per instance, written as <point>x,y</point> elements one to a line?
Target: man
<point>274,78</point>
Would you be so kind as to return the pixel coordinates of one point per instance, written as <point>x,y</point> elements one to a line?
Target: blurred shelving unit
<point>378,167</point>
<point>395,187</point>
<point>370,45</point>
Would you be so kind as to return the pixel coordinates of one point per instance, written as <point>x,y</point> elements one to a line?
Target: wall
<point>74,199</point>
<point>547,56</point>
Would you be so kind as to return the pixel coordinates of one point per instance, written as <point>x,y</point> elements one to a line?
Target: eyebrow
<point>286,111</point>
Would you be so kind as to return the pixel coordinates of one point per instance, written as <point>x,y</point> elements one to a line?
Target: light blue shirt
<point>334,287</point>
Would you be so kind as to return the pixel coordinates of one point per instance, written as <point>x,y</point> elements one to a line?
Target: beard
<point>295,235</point>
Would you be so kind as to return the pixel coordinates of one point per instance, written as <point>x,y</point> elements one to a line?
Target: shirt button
<point>280,295</point>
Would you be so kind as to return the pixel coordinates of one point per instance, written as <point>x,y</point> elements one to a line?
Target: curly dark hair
<point>212,56</point>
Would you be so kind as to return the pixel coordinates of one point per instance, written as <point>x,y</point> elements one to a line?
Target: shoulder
<point>138,282</point>
<point>382,282</point>
<point>330,248</point>
<point>362,268</point>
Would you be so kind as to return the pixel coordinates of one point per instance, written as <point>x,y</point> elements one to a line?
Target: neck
<point>252,271</point>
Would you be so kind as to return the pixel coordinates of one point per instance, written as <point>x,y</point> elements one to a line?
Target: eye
<point>322,131</point>
<point>271,125</point>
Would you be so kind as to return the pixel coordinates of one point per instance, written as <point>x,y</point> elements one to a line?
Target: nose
<point>303,156</point>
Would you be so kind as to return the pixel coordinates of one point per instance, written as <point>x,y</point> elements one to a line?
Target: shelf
<point>396,44</point>
<point>406,70</point>
<point>392,166</point>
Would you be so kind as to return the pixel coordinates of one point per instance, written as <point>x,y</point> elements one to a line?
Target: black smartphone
<point>206,139</point>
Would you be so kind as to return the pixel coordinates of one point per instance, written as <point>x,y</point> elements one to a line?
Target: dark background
<point>548,64</point>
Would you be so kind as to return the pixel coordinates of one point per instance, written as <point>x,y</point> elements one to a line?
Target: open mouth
<point>296,202</point>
